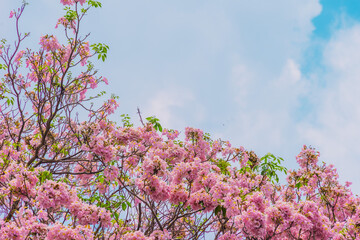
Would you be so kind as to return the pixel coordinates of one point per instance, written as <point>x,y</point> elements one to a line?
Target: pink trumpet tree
<point>68,177</point>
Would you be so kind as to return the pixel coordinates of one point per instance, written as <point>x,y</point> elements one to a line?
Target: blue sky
<point>268,75</point>
<point>332,13</point>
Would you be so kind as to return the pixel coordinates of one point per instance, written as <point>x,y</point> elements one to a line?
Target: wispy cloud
<point>267,83</point>
<point>167,104</point>
<point>336,126</point>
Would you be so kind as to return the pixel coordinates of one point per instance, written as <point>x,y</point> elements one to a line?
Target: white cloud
<point>336,131</point>
<point>341,54</point>
<point>266,79</point>
<point>291,73</point>
<point>264,111</point>
<point>165,103</point>
<point>241,79</point>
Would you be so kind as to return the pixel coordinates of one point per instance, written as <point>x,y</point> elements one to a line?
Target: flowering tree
<point>68,177</point>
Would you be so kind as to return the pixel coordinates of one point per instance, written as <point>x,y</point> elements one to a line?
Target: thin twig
<point>141,120</point>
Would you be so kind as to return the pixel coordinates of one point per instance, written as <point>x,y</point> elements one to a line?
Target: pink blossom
<point>111,173</point>
<point>161,235</point>
<point>61,232</point>
<point>135,236</point>
<point>228,236</point>
<point>89,214</point>
<point>53,195</point>
<point>105,80</point>
<point>49,43</point>
<point>202,200</point>
<point>18,56</point>
<point>81,1</point>
<point>67,2</point>
<point>254,223</point>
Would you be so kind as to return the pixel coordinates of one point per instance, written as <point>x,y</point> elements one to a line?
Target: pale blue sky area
<point>267,75</point>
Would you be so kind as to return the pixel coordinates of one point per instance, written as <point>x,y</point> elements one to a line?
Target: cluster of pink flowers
<point>18,57</point>
<point>66,23</point>
<point>53,194</point>
<point>49,43</point>
<point>19,180</point>
<point>90,214</point>
<point>59,231</point>
<point>171,135</point>
<point>72,2</point>
<point>84,52</point>
<point>12,13</point>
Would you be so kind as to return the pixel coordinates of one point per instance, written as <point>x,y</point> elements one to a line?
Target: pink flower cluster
<point>12,13</point>
<point>66,23</point>
<point>59,231</point>
<point>72,2</point>
<point>18,57</point>
<point>19,180</point>
<point>49,43</point>
<point>84,53</point>
<point>156,235</point>
<point>90,214</point>
<point>53,194</point>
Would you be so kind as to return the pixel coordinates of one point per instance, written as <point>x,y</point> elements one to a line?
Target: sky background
<point>267,75</point>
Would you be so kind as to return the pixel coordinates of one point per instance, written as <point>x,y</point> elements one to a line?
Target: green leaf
<point>270,165</point>
<point>220,209</point>
<point>101,178</point>
<point>2,66</point>
<point>70,14</point>
<point>123,206</point>
<point>126,120</point>
<point>10,101</point>
<point>222,164</point>
<point>95,4</point>
<point>224,211</point>
<point>101,49</point>
<point>217,209</point>
<point>155,122</point>
<point>116,215</point>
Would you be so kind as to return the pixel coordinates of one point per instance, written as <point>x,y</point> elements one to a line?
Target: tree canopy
<point>68,172</point>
